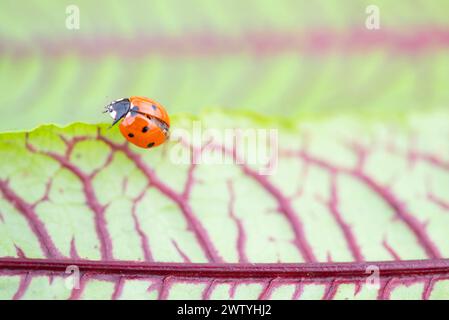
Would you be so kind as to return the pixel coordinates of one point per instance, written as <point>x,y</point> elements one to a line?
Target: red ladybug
<point>145,121</point>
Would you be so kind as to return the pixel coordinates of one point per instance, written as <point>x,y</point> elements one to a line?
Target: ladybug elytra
<point>145,122</point>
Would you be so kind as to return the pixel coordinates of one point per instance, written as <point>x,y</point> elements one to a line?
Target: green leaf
<point>346,193</point>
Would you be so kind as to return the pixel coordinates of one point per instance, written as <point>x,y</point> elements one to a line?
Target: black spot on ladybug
<point>130,135</point>
<point>154,107</point>
<point>134,111</point>
<point>150,144</point>
<point>145,129</point>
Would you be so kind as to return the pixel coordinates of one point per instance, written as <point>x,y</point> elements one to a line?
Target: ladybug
<point>145,121</point>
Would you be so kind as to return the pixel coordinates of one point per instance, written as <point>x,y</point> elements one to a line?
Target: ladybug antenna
<point>107,108</point>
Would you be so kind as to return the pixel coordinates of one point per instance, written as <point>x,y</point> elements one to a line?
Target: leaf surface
<point>346,194</point>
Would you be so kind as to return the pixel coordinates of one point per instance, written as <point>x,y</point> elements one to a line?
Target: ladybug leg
<point>117,119</point>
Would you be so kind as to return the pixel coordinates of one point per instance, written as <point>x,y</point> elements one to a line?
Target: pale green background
<point>47,77</point>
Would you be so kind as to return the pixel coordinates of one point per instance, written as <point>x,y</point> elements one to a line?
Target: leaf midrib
<point>340,270</point>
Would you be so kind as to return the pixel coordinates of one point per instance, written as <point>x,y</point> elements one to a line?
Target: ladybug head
<point>118,109</point>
